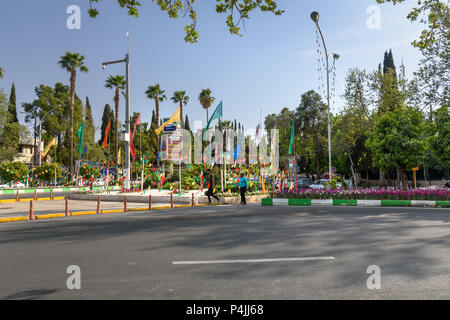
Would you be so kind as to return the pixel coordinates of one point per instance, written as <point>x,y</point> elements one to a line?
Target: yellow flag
<point>174,118</point>
<point>119,155</point>
<point>47,149</point>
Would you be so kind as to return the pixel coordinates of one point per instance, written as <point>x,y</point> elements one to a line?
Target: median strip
<point>354,202</point>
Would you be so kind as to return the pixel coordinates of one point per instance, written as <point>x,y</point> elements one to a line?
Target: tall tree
<point>187,126</point>
<point>353,124</point>
<point>154,117</point>
<point>71,62</point>
<point>2,73</point>
<point>388,62</point>
<point>311,119</point>
<point>10,131</point>
<point>156,93</point>
<point>117,83</point>
<point>206,100</point>
<point>397,141</point>
<point>181,98</point>
<point>108,115</point>
<point>12,107</point>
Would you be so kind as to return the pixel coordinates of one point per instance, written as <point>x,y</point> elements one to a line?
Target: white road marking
<point>251,260</point>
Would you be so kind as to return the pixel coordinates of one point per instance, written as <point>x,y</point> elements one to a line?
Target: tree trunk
<point>382,179</point>
<point>72,100</point>
<point>181,115</point>
<point>207,117</point>
<point>353,171</point>
<point>157,121</point>
<point>116,101</point>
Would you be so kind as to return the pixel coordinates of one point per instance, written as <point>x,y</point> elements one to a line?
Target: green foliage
<point>397,140</point>
<point>12,107</point>
<point>430,12</point>
<point>440,141</point>
<point>13,171</point>
<point>10,131</point>
<point>46,172</point>
<point>237,12</point>
<point>88,172</point>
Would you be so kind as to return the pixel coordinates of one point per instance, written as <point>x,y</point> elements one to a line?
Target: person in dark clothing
<point>212,184</point>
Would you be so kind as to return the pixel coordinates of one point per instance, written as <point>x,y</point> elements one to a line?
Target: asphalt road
<point>144,255</point>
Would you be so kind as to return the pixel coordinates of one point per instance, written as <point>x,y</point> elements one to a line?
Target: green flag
<point>291,143</point>
<point>216,115</point>
<point>80,137</point>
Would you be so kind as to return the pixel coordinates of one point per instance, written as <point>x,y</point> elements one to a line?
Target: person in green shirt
<point>243,185</point>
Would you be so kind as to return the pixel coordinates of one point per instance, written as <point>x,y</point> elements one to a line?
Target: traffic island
<point>354,203</point>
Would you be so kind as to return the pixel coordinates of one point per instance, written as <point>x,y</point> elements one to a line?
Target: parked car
<point>447,184</point>
<point>304,183</point>
<point>321,184</point>
<point>4,186</point>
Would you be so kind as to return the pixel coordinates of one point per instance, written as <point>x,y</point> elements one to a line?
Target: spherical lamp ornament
<point>315,16</point>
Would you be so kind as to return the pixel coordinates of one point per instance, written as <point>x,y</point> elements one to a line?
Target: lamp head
<point>104,66</point>
<point>336,56</point>
<point>315,16</point>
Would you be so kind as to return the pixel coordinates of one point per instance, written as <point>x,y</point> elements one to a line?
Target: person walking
<point>212,184</point>
<point>243,185</point>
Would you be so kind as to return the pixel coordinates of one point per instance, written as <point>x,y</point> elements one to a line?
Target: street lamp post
<point>127,116</point>
<point>315,18</point>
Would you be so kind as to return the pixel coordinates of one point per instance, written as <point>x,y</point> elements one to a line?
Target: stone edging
<point>359,203</point>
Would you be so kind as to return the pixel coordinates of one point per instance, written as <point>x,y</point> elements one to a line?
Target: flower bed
<point>367,194</point>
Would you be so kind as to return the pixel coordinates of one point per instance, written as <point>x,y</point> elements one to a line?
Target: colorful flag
<point>47,149</point>
<point>138,121</point>
<point>85,149</point>
<point>216,115</point>
<point>119,157</point>
<point>105,141</point>
<point>80,137</point>
<point>174,118</point>
<point>291,143</point>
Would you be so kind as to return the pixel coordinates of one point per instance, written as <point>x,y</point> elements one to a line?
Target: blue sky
<point>268,68</point>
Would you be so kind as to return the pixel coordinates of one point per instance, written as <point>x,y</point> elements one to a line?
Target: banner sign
<point>172,147</point>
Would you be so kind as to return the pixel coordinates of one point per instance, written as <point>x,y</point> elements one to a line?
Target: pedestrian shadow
<point>31,294</point>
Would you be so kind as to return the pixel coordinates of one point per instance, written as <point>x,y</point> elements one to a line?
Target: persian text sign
<point>172,147</point>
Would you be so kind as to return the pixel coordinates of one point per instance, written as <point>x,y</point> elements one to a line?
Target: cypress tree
<point>153,117</point>
<point>12,107</point>
<point>186,124</point>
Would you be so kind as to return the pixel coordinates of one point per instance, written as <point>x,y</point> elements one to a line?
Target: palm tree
<point>2,72</point>
<point>71,62</point>
<point>206,100</point>
<point>118,83</point>
<point>155,92</point>
<point>181,98</point>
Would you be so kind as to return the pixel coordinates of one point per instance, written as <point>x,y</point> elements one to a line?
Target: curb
<point>354,203</point>
<point>82,213</point>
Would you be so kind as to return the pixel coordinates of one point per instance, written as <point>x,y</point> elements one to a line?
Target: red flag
<point>133,150</point>
<point>138,121</point>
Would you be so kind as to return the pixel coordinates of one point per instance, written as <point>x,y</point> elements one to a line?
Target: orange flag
<point>105,141</point>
